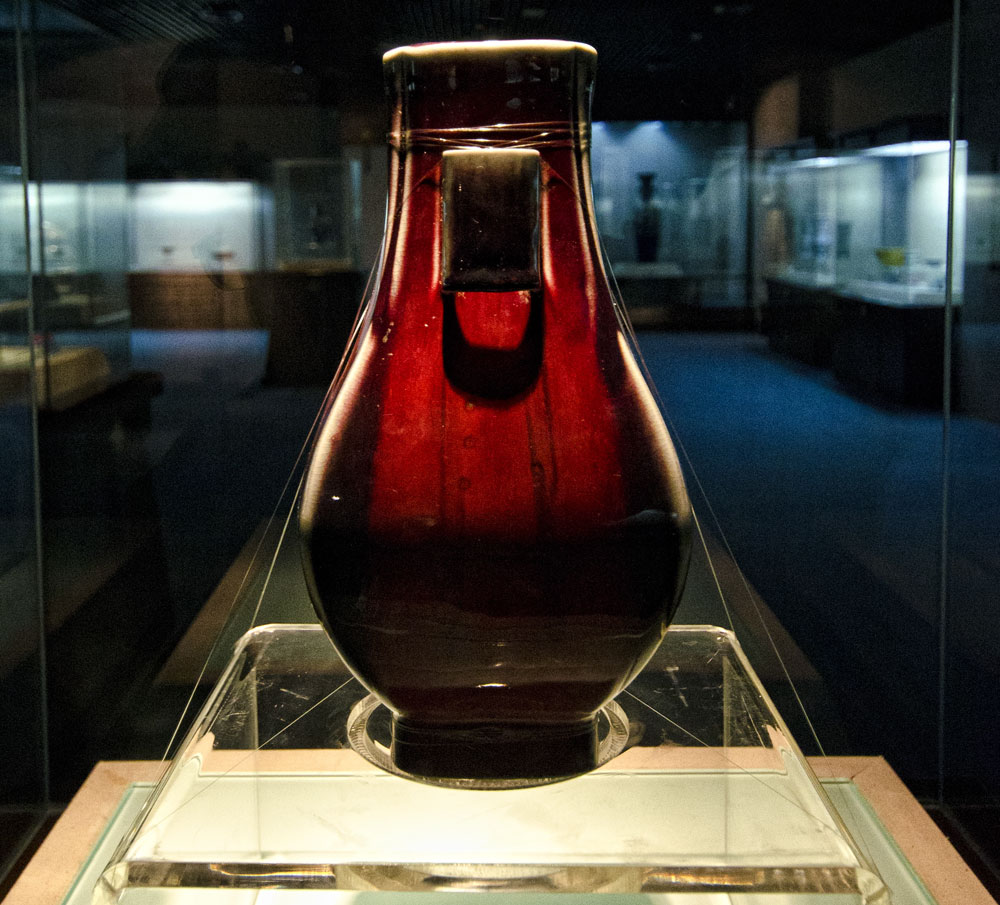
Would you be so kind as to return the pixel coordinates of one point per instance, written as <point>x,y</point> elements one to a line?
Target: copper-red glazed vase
<point>495,526</point>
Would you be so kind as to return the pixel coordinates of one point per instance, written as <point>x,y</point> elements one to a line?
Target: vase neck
<point>490,220</point>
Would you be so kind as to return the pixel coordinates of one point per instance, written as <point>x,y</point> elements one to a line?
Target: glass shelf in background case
<point>710,795</point>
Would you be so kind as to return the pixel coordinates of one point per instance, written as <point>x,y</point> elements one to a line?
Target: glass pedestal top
<point>710,795</point>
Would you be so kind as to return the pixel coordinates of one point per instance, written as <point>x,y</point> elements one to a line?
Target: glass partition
<point>971,787</point>
<point>24,782</point>
<point>807,243</point>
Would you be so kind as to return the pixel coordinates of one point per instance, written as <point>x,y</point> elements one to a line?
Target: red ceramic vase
<point>496,528</point>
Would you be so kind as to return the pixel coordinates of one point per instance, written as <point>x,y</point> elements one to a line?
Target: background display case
<point>795,245</point>
<point>892,223</point>
<point>798,224</point>
<point>670,200</point>
<point>851,250</point>
<point>317,214</point>
<point>199,226</point>
<point>81,318</point>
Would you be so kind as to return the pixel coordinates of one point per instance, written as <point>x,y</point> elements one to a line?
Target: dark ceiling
<point>687,59</point>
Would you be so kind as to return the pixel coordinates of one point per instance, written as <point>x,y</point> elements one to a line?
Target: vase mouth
<point>488,48</point>
<point>475,92</point>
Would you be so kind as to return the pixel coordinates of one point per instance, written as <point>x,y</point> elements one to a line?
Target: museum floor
<point>829,504</point>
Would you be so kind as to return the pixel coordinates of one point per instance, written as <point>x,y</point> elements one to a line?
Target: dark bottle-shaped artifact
<point>495,523</point>
<point>648,215</point>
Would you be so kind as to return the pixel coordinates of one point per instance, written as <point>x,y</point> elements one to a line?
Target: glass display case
<point>188,189</point>
<point>15,322</point>
<point>670,200</point>
<point>892,221</point>
<point>870,223</point>
<point>798,203</point>
<point>22,732</point>
<point>81,319</point>
<point>317,214</point>
<point>198,226</point>
<point>795,251</point>
<point>851,253</point>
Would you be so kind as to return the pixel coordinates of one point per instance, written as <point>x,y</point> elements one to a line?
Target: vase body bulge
<point>494,521</point>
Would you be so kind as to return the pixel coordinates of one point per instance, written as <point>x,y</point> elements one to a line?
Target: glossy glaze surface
<point>495,522</point>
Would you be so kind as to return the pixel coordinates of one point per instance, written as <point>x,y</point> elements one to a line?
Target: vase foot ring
<point>401,748</point>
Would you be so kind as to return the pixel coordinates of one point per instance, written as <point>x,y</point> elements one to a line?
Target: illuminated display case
<point>80,328</point>
<point>870,223</point>
<point>199,226</point>
<point>798,224</point>
<point>795,251</point>
<point>317,214</point>
<point>851,252</point>
<point>891,235</point>
<point>670,199</point>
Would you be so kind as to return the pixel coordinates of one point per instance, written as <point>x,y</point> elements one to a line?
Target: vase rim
<point>491,46</point>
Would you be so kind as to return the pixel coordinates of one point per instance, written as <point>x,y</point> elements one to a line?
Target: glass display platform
<point>710,795</point>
